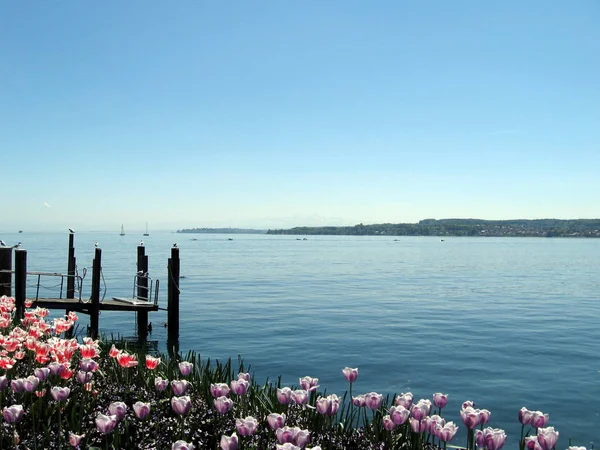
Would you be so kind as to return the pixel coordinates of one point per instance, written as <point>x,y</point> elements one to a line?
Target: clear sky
<point>287,113</point>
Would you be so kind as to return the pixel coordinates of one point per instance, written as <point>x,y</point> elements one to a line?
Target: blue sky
<point>284,113</point>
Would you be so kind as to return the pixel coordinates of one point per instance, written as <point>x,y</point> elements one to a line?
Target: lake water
<point>505,322</point>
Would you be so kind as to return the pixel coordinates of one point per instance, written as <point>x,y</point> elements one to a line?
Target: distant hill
<point>222,230</point>
<point>462,227</point>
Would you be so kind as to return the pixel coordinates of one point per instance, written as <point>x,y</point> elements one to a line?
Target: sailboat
<point>122,231</point>
<point>146,233</point>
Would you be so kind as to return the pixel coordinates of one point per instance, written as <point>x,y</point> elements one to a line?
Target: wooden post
<point>173,302</point>
<point>142,291</point>
<point>5,271</point>
<point>95,306</point>
<point>20,284</point>
<point>70,277</point>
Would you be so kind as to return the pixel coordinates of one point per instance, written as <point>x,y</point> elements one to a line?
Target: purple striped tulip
<point>239,386</point>
<point>247,426</point>
<point>373,400</point>
<point>350,374</point>
<point>286,434</point>
<point>468,403</point>
<point>17,385</point>
<point>31,383</point>
<point>447,432</point>
<point>75,440</point>
<point>42,373</point>
<point>185,368</point>
<point>484,416</point>
<point>494,438</point>
<point>105,424</point>
<point>181,405</point>
<point>479,438</point>
<point>229,442</point>
<point>440,400</point>
<point>160,384</point>
<point>183,445</point>
<point>223,404</point>
<point>276,421</point>
<point>470,417</point>
<point>404,400</point>
<point>117,409</point>
<point>388,423</point>
<point>284,395</point>
<point>309,384</point>
<point>420,410</point>
<point>432,421</point>
<point>219,390</point>
<point>531,442</point>
<point>12,414</point>
<point>244,376</point>
<point>88,365</point>
<point>525,416</point>
<point>56,368</point>
<point>4,382</point>
<point>141,410</point>
<point>302,438</point>
<point>180,387</point>
<point>83,377</point>
<point>539,419</point>
<point>418,426</point>
<point>300,396</point>
<point>547,438</point>
<point>60,394</point>
<point>329,405</point>
<point>399,414</point>
<point>359,401</point>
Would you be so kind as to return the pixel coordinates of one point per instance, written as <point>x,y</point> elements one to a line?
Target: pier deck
<point>73,304</point>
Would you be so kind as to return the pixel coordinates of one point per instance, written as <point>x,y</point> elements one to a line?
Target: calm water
<point>504,322</point>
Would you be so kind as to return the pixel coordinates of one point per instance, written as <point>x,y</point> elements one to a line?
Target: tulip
<point>300,396</point>
<point>328,405</point>
<point>359,401</point>
<point>41,372</point>
<point>539,419</point>
<point>350,374</point>
<point>494,438</point>
<point>432,421</point>
<point>284,395</point>
<point>223,404</point>
<point>182,445</point>
<point>56,368</point>
<point>160,384</point>
<point>12,414</point>
<point>88,365</point>
<point>229,442</point>
<point>181,405</point>
<point>219,390</point>
<point>117,409</point>
<point>4,382</point>
<point>447,432</point>
<point>126,360</point>
<point>239,387</point>
<point>60,394</point>
<point>286,434</point>
<point>180,387</point>
<point>525,416</point>
<point>151,364</point>
<point>440,400</point>
<point>105,424</point>
<point>302,437</point>
<point>185,368</point>
<point>309,384</point>
<point>141,410</point>
<point>373,400</point>
<point>244,376</point>
<point>84,377</point>
<point>31,383</point>
<point>247,426</point>
<point>276,421</point>
<point>480,438</point>
<point>547,438</point>
<point>418,426</point>
<point>420,409</point>
<point>388,423</point>
<point>531,442</point>
<point>17,385</point>
<point>470,417</point>
<point>75,439</point>
<point>404,400</point>
<point>399,414</point>
<point>484,416</point>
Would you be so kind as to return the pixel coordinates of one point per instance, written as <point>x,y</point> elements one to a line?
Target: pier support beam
<point>5,271</point>
<point>142,291</point>
<point>95,304</point>
<point>71,276</point>
<point>20,284</point>
<point>173,303</point>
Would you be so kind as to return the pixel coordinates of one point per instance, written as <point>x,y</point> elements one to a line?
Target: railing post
<point>95,305</point>
<point>142,291</point>
<point>173,303</point>
<point>70,277</point>
<point>20,283</point>
<point>6,268</point>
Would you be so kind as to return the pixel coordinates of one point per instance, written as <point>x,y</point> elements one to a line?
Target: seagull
<point>141,242</point>
<point>17,245</point>
<point>96,244</point>
<point>2,243</point>
<point>175,245</point>
<point>71,230</point>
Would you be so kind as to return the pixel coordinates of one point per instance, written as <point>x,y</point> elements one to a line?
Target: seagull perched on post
<point>17,245</point>
<point>175,245</point>
<point>141,242</point>
<point>96,244</point>
<point>71,230</point>
<point>2,243</point>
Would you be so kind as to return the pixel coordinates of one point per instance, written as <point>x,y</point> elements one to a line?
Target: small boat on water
<point>122,233</point>
<point>146,233</point>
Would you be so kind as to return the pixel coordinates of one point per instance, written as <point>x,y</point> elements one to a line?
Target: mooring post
<point>142,291</point>
<point>95,307</point>
<point>173,302</point>
<point>6,271</point>
<point>20,284</point>
<point>70,277</point>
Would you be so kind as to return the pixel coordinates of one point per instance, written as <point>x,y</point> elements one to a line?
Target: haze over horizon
<point>268,114</point>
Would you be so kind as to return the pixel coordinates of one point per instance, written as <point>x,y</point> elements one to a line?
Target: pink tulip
<point>470,417</point>
<point>41,372</point>
<point>185,368</point>
<point>17,385</point>
<point>219,390</point>
<point>447,432</point>
<point>229,442</point>
<point>418,426</point>
<point>12,414</point>
<point>300,396</point>
<point>547,438</point>
<point>117,409</point>
<point>432,421</point>
<point>276,421</point>
<point>105,424</point>
<point>420,409</point>
<point>180,387</point>
<point>60,394</point>
<point>388,423</point>
<point>399,414</point>
<point>309,384</point>
<point>239,387</point>
<point>244,376</point>
<point>302,438</point>
<point>494,438</point>
<point>531,442</point>
<point>286,434</point>
<point>284,395</point>
<point>223,404</point>
<point>181,405</point>
<point>83,377</point>
<point>88,365</point>
<point>479,438</point>
<point>359,401</point>
<point>328,405</point>
<point>56,368</point>
<point>31,383</point>
<point>539,419</point>
<point>152,363</point>
<point>350,374</point>
<point>525,416</point>
<point>440,400</point>
<point>160,384</point>
<point>4,382</point>
<point>75,440</point>
<point>373,400</point>
<point>404,400</point>
<point>484,416</point>
<point>141,410</point>
<point>183,445</point>
<point>247,426</point>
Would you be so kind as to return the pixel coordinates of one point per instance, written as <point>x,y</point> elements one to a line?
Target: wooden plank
<point>106,305</point>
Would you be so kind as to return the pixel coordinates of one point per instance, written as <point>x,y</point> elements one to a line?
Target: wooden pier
<point>140,303</point>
